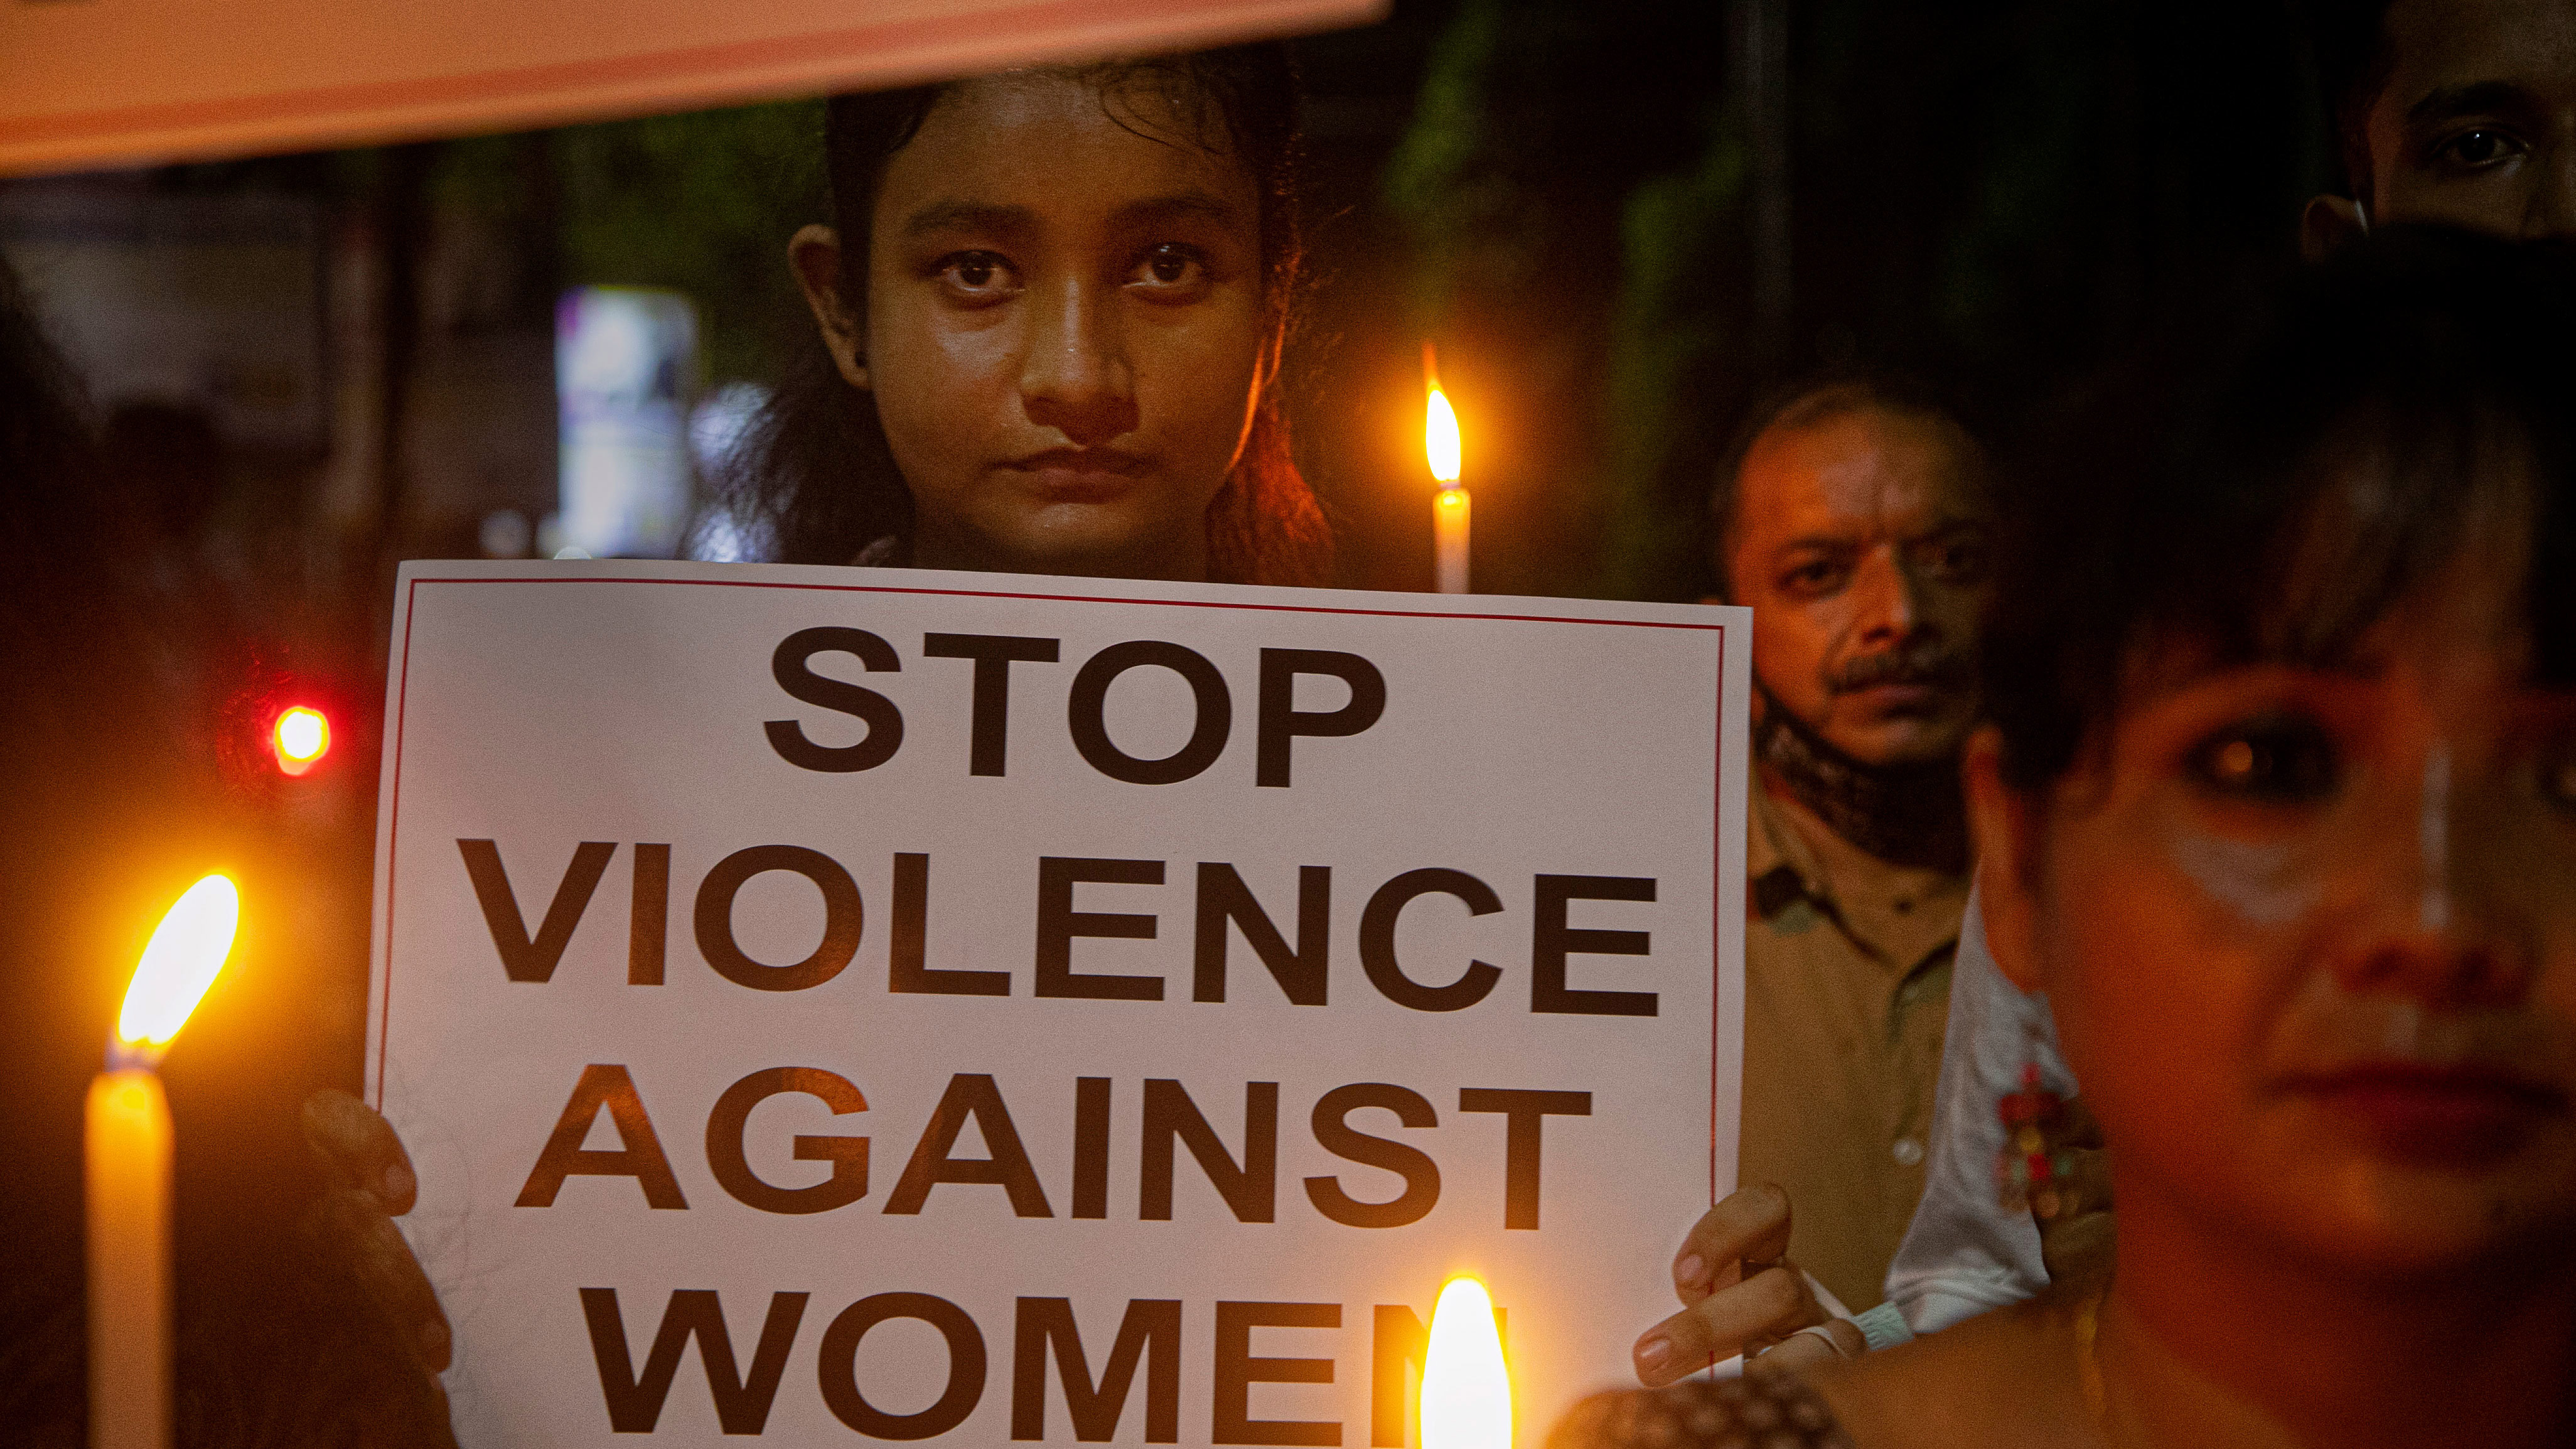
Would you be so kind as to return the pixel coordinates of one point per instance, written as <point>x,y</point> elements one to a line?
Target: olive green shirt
<point>1846,993</point>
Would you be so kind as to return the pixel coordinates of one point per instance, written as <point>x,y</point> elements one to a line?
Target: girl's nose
<point>1074,377</point>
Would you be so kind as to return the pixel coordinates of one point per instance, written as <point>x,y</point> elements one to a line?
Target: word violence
<point>1300,966</point>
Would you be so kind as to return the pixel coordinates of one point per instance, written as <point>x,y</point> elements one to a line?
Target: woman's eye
<point>2478,150</point>
<point>1170,267</point>
<point>2273,762</point>
<point>979,274</point>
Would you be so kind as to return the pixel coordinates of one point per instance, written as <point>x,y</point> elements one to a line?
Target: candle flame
<point>187,949</point>
<point>302,737</point>
<point>1440,437</point>
<point>1466,1391</point>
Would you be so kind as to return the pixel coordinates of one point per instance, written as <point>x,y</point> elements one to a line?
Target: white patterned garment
<point>1964,1254</point>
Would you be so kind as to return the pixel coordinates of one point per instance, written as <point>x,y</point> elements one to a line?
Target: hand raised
<point>1739,1294</point>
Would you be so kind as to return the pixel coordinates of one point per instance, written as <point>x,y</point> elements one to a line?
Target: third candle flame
<point>1466,1391</point>
<point>1440,437</point>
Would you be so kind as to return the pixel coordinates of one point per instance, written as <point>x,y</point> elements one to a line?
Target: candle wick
<point>127,1056</point>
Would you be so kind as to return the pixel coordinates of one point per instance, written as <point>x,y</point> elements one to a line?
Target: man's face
<point>1860,543</point>
<point>2476,126</point>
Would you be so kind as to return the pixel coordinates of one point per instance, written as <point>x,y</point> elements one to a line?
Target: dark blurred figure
<point>2461,112</point>
<point>103,812</point>
<point>169,459</point>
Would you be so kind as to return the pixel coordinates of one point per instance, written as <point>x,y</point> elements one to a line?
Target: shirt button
<point>1907,1152</point>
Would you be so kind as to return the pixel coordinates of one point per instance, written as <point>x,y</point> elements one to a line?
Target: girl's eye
<point>976,274</point>
<point>2478,150</point>
<point>1169,267</point>
<point>2273,762</point>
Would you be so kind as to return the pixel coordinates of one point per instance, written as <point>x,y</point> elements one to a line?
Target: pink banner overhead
<point>97,83</point>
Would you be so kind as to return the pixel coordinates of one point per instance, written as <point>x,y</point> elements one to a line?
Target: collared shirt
<point>1846,991</point>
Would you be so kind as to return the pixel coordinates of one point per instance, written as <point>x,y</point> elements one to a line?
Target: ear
<point>2329,224</point>
<point>814,254</point>
<point>2005,826</point>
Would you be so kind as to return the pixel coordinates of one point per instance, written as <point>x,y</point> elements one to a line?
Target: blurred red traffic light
<point>301,737</point>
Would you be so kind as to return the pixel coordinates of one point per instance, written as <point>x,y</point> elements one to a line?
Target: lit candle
<point>129,1173</point>
<point>1449,506</point>
<point>1466,1390</point>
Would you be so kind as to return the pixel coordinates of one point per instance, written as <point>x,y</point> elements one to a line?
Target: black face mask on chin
<point>1908,815</point>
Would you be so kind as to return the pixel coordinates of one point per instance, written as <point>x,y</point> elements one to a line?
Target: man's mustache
<point>1936,665</point>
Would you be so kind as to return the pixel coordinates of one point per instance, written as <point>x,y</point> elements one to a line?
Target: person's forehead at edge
<point>951,214</point>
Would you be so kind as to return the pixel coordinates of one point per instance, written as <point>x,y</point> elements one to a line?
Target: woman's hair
<point>2273,496</point>
<point>816,482</point>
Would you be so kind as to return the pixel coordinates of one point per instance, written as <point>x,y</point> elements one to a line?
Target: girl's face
<point>1064,328</point>
<point>2311,937</point>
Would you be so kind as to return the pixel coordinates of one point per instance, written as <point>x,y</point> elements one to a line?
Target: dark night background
<point>1618,220</point>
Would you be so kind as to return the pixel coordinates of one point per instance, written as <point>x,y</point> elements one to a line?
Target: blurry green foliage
<point>1678,308</point>
<point>702,202</point>
<point>1996,194</point>
<point>1532,117</point>
<point>705,203</point>
<point>1439,182</point>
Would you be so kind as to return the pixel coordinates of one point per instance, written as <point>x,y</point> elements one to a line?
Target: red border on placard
<point>1717,780</point>
<point>1716,921</point>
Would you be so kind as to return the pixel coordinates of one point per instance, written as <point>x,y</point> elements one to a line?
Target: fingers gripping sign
<point>370,1183</point>
<point>1740,1294</point>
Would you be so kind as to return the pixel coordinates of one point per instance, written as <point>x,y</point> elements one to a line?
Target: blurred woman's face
<point>2311,938</point>
<point>1064,328</point>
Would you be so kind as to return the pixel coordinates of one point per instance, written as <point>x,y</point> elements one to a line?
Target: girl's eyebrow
<point>945,216</point>
<point>1193,205</point>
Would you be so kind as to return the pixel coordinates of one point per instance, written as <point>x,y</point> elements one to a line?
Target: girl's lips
<point>1081,475</point>
<point>1078,485</point>
<point>2456,1114</point>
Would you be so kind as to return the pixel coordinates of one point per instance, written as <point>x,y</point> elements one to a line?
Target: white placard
<point>1218,976</point>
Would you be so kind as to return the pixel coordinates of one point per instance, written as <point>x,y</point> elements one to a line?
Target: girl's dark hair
<point>816,482</point>
<point>2274,496</point>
